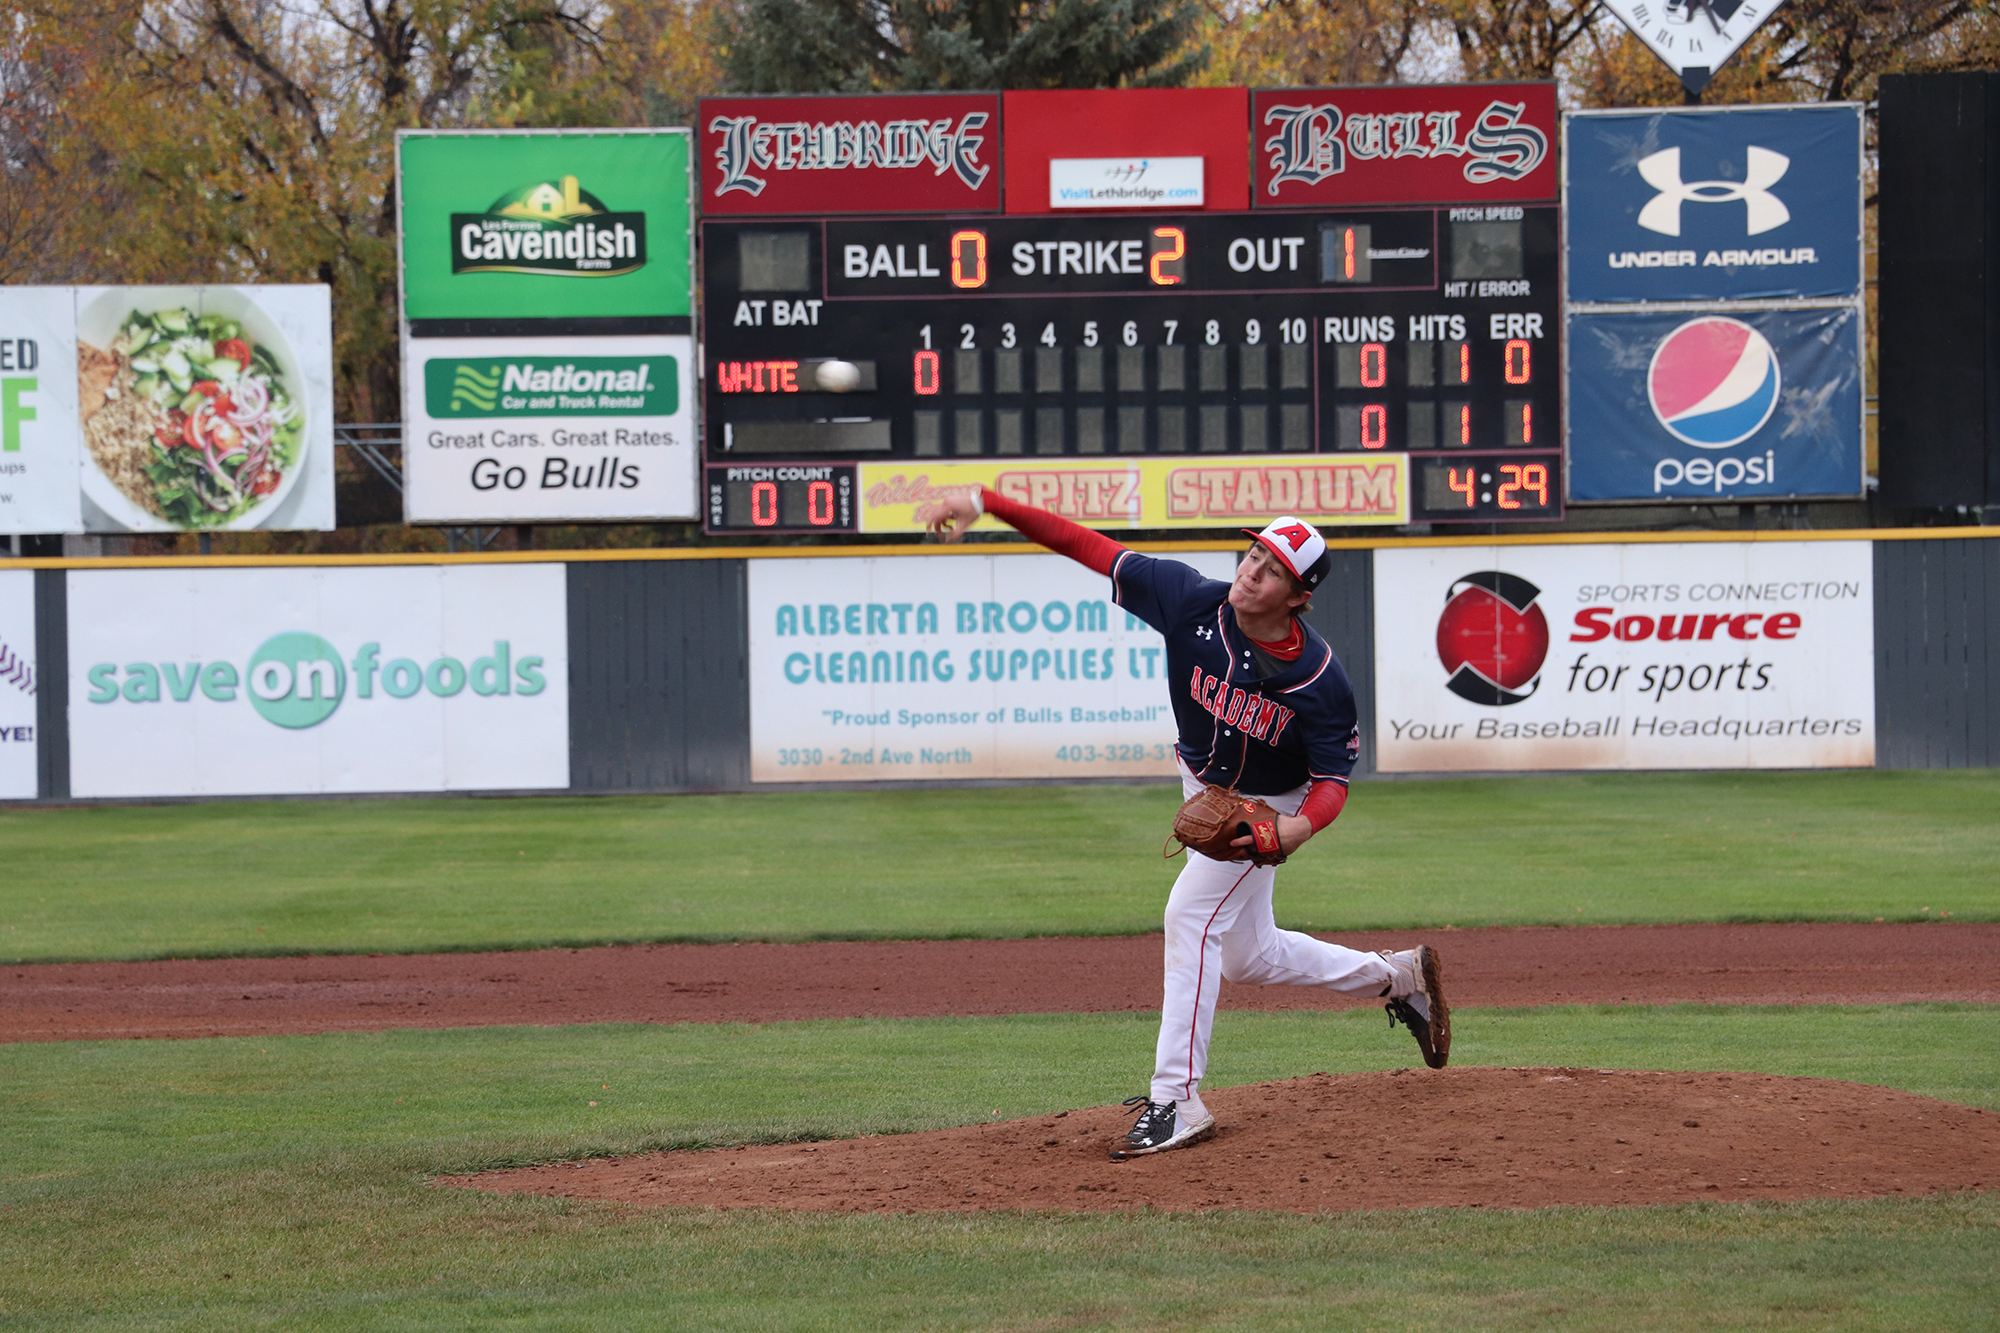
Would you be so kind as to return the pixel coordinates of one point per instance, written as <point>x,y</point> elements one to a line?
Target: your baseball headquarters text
<point>1639,728</point>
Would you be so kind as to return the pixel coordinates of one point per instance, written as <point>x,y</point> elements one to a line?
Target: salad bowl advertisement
<point>18,746</point>
<point>205,408</point>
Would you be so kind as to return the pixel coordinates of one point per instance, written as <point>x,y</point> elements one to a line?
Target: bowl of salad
<point>193,409</point>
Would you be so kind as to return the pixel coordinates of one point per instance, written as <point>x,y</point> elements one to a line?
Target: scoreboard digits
<point>1423,331</point>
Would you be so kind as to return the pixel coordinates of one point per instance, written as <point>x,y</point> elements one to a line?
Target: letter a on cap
<point>1298,545</point>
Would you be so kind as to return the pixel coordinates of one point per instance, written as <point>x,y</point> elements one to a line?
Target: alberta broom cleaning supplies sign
<point>197,682</point>
<point>18,742</point>
<point>958,666</point>
<point>548,357</point>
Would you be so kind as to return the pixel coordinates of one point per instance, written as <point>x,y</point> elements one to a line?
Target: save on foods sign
<point>548,356</point>
<point>197,682</point>
<point>1629,656</point>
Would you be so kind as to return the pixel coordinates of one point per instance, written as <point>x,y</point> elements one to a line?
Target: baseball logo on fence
<point>1492,638</point>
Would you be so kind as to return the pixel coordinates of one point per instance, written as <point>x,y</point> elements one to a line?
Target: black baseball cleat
<point>1416,1000</point>
<point>1158,1129</point>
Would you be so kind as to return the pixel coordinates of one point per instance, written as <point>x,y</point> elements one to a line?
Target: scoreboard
<point>1347,334</point>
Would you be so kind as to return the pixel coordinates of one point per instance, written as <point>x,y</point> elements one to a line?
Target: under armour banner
<point>1713,205</point>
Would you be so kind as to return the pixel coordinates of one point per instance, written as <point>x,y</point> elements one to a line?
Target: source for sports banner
<point>1713,205</point>
<point>1715,406</point>
<point>19,747</point>
<point>954,666</point>
<point>238,682</point>
<point>1641,656</point>
<point>548,357</point>
<point>1187,492</point>
<point>166,409</point>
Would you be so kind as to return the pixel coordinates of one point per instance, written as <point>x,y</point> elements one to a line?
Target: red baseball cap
<point>1298,546</point>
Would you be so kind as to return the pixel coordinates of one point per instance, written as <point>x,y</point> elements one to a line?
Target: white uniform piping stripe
<point>1324,664</point>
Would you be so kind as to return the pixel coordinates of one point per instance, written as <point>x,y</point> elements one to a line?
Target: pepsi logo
<point>1492,638</point>
<point>1713,382</point>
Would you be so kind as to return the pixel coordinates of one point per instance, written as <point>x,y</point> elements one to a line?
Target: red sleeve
<point>1060,535</point>
<point>1324,803</point>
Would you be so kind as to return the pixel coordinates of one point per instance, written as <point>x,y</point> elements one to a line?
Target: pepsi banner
<point>1725,205</point>
<point>1625,656</point>
<point>1755,404</point>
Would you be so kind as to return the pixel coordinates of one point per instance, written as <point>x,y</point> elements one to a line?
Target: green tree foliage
<point>796,46</point>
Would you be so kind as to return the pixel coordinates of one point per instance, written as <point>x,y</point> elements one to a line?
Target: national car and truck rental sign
<point>1713,304</point>
<point>1626,656</point>
<point>548,356</point>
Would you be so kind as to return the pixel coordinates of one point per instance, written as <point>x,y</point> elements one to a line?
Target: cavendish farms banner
<point>548,356</point>
<point>520,225</point>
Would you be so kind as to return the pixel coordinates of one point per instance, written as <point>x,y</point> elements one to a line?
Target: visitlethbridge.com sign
<point>548,352</point>
<point>1631,656</point>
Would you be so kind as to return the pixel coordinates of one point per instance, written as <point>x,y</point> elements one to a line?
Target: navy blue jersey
<point>1263,734</point>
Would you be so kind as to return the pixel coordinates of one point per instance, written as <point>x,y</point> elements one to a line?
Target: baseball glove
<point>1214,817</point>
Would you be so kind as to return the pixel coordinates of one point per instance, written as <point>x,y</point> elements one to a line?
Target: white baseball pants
<point>1219,925</point>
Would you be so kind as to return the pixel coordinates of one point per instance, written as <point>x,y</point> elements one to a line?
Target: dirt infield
<point>1743,964</point>
<point>1496,1138</point>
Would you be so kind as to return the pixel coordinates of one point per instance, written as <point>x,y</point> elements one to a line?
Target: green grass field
<point>281,1183</point>
<point>411,875</point>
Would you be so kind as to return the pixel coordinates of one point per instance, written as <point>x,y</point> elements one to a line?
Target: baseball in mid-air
<point>838,376</point>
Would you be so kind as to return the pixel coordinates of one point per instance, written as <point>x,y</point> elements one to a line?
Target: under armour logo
<point>1763,210</point>
<point>1205,633</point>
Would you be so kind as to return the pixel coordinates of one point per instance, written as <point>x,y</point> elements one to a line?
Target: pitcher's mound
<point>1415,1138</point>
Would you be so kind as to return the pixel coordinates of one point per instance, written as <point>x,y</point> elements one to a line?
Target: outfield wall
<point>661,671</point>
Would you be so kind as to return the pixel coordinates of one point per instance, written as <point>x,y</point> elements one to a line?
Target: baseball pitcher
<point>1267,737</point>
